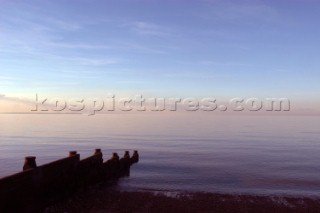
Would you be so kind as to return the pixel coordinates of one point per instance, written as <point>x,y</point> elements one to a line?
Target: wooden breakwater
<point>39,186</point>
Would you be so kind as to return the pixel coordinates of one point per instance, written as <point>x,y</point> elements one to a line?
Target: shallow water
<point>193,152</point>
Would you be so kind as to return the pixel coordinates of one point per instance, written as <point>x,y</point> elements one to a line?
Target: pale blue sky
<point>164,48</point>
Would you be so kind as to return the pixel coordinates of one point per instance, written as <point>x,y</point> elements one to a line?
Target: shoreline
<point>169,192</point>
<point>111,199</point>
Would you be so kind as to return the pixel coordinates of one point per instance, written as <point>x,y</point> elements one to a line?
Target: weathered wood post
<point>126,154</point>
<point>29,163</point>
<point>125,164</point>
<point>111,167</point>
<point>72,153</point>
<point>135,157</point>
<point>97,151</point>
<point>99,173</point>
<point>115,156</point>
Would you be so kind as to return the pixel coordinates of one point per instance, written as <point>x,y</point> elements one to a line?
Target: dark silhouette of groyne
<point>39,186</point>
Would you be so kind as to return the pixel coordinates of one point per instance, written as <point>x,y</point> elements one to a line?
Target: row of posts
<point>30,161</point>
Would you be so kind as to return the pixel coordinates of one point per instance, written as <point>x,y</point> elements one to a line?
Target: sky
<point>203,48</point>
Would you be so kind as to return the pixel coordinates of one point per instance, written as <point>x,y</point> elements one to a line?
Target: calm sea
<point>179,152</point>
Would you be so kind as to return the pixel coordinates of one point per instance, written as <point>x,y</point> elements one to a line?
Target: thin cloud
<point>15,99</point>
<point>79,46</point>
<point>218,63</point>
<point>249,10</point>
<point>131,82</point>
<point>147,28</point>
<point>31,35</point>
<point>123,46</point>
<point>63,24</point>
<point>94,62</point>
<point>8,78</point>
<point>196,74</point>
<point>9,81</point>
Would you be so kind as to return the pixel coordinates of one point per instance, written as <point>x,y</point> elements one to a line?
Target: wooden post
<point>72,153</point>
<point>29,163</point>
<point>135,157</point>
<point>97,151</point>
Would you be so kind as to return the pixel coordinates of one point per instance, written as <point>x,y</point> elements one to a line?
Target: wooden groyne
<point>38,186</point>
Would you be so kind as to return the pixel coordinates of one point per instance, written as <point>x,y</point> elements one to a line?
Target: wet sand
<point>112,200</point>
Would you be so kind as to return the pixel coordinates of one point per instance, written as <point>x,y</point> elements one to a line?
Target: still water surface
<point>187,152</point>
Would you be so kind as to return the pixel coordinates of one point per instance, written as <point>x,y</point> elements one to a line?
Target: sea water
<point>263,154</point>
